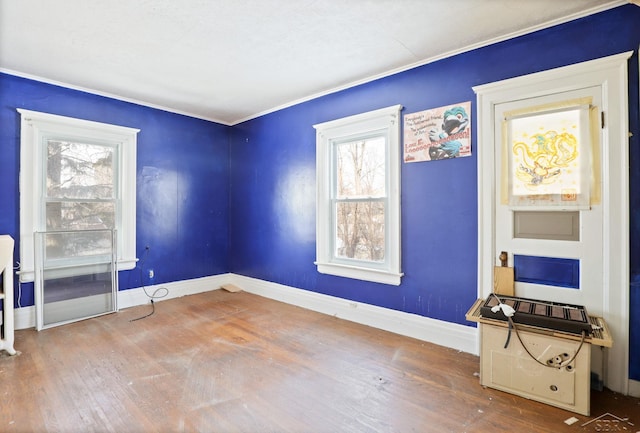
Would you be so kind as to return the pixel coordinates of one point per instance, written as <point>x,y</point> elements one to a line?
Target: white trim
<point>357,273</point>
<point>111,96</point>
<point>610,73</point>
<point>34,126</point>
<point>634,386</point>
<point>384,121</point>
<point>452,335</point>
<point>175,289</point>
<point>26,317</point>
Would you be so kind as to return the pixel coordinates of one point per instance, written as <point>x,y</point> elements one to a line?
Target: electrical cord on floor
<point>152,296</point>
<point>153,310</point>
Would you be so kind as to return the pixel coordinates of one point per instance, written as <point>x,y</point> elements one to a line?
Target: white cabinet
<point>6,294</point>
<point>518,368</point>
<point>513,370</point>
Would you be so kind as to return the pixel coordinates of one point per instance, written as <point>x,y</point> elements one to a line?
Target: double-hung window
<point>358,193</point>
<point>76,175</point>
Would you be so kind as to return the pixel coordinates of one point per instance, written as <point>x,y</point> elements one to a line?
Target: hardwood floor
<point>237,362</point>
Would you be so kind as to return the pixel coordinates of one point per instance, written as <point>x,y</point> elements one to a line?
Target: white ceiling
<point>231,60</point>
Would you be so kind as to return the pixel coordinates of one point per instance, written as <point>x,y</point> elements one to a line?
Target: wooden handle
<point>503,259</point>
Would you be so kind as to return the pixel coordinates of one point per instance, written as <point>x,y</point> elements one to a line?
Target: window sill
<point>358,273</point>
<point>28,275</point>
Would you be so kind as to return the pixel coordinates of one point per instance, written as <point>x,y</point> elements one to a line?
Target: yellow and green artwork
<point>548,161</point>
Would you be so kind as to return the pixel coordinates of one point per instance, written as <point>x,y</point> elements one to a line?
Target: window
<point>76,175</point>
<point>358,209</point>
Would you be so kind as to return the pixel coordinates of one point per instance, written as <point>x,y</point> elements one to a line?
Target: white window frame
<point>35,127</point>
<point>384,121</point>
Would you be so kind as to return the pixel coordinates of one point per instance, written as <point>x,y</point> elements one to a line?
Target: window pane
<point>361,168</point>
<point>77,244</point>
<point>79,170</point>
<point>80,215</point>
<point>360,231</point>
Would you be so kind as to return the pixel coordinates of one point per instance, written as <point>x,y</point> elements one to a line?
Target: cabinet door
<point>514,370</point>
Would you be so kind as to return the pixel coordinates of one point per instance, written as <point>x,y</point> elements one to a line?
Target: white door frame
<point>610,73</point>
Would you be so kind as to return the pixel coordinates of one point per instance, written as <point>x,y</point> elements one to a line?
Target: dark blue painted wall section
<point>272,184</point>
<point>182,179</point>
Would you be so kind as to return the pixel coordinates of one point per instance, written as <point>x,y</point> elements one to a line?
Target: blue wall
<point>215,199</point>
<point>272,182</point>
<point>182,179</point>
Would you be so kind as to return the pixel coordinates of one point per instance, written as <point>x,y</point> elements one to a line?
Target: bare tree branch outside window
<point>80,195</point>
<point>359,205</point>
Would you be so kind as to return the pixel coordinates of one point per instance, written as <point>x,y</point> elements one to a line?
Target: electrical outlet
<point>151,274</point>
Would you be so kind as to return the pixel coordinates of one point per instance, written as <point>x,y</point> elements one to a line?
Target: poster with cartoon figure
<point>439,133</point>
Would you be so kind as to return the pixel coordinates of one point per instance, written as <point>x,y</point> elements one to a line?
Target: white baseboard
<point>634,388</point>
<point>26,317</point>
<point>176,289</point>
<point>452,335</point>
